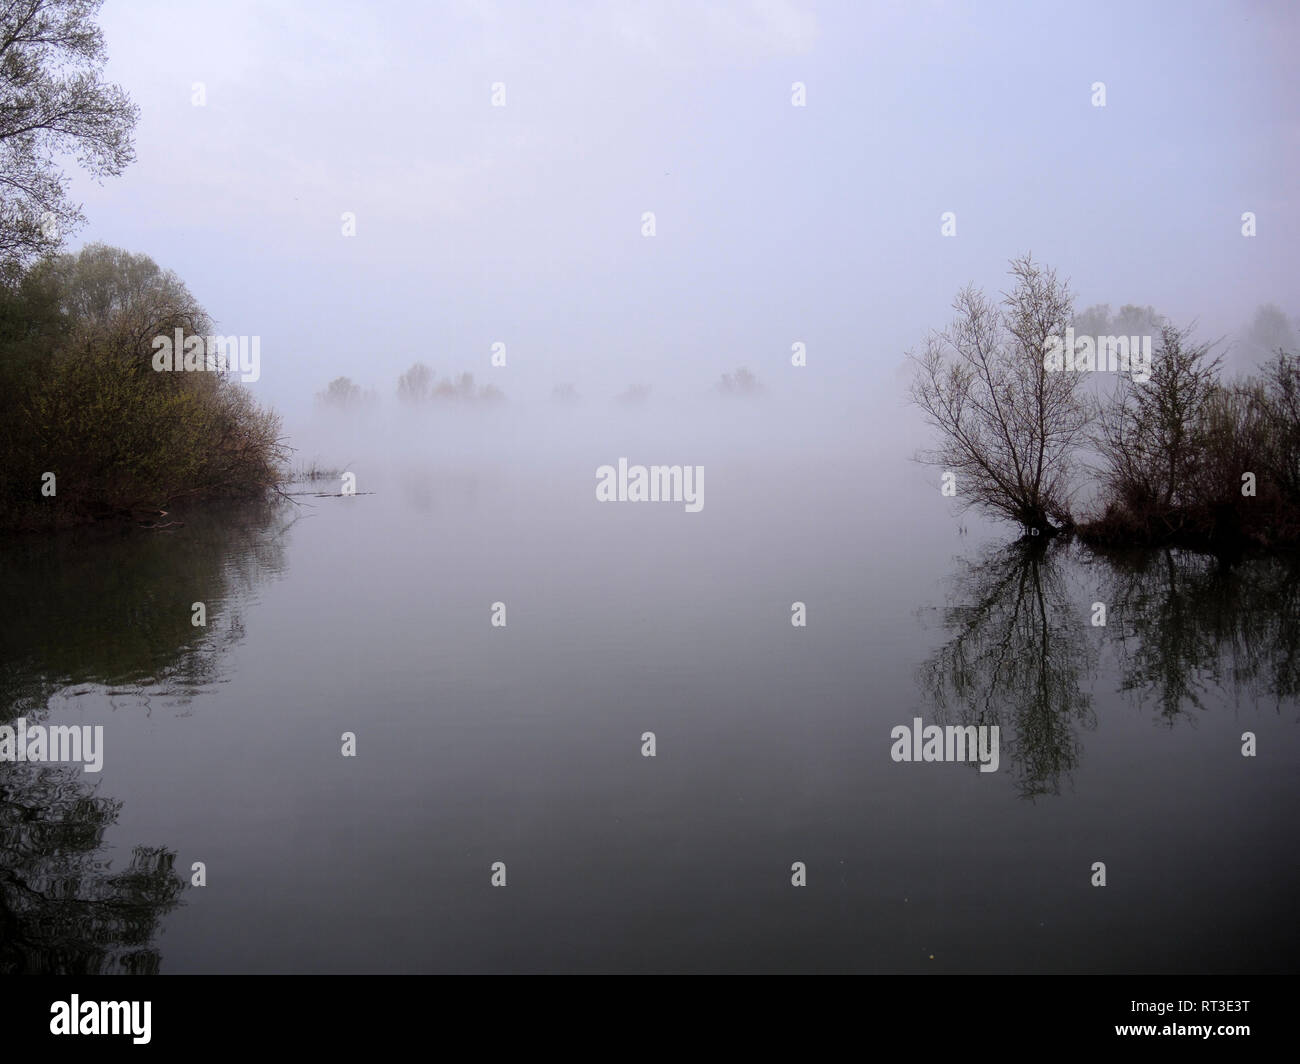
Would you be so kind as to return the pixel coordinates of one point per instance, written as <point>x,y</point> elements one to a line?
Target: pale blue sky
<point>775,223</point>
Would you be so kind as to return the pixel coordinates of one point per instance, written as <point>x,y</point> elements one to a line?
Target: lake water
<point>522,744</point>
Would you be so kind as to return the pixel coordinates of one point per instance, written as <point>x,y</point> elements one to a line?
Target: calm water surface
<point>475,744</point>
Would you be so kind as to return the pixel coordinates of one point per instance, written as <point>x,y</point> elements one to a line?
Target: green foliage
<point>82,400</point>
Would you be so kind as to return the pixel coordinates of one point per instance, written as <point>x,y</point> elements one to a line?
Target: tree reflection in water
<point>1016,658</point>
<point>1022,652</point>
<point>110,611</point>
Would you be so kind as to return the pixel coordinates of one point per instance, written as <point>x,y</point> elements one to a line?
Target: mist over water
<point>342,187</point>
<point>522,743</point>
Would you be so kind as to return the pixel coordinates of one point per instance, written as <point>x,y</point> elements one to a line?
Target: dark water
<point>1120,744</point>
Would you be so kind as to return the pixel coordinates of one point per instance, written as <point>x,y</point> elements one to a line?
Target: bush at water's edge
<point>89,429</point>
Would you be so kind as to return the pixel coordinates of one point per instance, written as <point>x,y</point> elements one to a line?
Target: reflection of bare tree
<point>63,910</point>
<point>85,608</point>
<point>1016,658</point>
<point>1183,623</point>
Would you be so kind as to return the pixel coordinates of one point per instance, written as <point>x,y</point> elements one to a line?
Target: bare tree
<point>341,392</point>
<point>1269,330</point>
<point>742,383</point>
<point>414,385</point>
<point>1149,433</point>
<point>636,395</point>
<point>1282,410</point>
<point>1008,425</point>
<point>54,103</point>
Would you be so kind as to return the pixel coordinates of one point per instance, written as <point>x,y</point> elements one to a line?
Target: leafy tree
<point>54,104</point>
<point>83,400</point>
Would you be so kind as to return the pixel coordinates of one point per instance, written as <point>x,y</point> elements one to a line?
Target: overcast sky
<point>775,223</point>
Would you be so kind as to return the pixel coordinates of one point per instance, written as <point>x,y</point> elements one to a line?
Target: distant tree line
<point>419,384</point>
